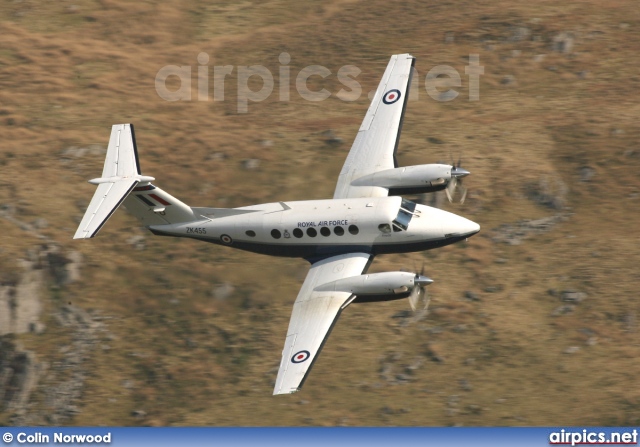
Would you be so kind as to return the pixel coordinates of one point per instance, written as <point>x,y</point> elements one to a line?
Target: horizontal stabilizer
<point>105,201</point>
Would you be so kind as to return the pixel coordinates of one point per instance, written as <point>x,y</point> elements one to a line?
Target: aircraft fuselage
<point>318,228</point>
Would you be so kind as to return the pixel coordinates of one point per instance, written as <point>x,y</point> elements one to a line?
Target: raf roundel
<point>300,356</point>
<point>391,96</point>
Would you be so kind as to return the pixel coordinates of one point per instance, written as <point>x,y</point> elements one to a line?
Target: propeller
<point>418,298</point>
<point>457,173</point>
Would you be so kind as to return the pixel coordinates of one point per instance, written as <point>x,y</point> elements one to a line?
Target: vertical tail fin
<point>120,176</point>
<point>122,153</point>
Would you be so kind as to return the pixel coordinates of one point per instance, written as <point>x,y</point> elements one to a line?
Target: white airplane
<point>339,236</point>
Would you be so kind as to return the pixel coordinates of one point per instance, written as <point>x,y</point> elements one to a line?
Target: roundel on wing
<point>391,96</point>
<point>300,356</point>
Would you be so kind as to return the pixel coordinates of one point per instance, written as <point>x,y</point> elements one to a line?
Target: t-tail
<point>123,183</point>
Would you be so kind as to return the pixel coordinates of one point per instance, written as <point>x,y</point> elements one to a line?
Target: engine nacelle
<point>409,179</point>
<point>375,283</point>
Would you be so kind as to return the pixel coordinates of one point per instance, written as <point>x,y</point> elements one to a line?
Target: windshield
<point>405,213</point>
<point>408,205</point>
<point>401,222</point>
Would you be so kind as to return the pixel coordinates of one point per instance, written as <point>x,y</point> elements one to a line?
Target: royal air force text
<point>323,223</point>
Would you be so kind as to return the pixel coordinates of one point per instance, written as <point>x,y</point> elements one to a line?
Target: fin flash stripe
<point>162,201</point>
<point>145,200</point>
<point>145,188</point>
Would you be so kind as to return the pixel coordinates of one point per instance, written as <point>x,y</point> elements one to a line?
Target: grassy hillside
<point>159,331</point>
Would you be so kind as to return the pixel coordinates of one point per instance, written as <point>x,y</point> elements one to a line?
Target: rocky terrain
<point>532,322</point>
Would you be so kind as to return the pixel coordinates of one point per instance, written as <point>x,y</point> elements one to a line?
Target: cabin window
<point>325,231</point>
<point>250,233</point>
<point>276,234</point>
<point>353,229</point>
<point>385,228</point>
<point>339,231</point>
<point>311,232</point>
<point>297,232</point>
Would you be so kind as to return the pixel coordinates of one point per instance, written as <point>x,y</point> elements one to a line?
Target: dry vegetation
<point>549,122</point>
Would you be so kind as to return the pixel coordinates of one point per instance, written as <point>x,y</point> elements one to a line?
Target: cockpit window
<point>402,219</point>
<point>408,205</point>
<point>405,213</point>
<point>385,228</point>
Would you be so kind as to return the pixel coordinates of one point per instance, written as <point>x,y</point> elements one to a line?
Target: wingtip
<point>278,392</point>
<point>82,235</point>
<point>279,389</point>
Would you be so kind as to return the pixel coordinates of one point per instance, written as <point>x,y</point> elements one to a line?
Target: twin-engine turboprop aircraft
<point>339,236</point>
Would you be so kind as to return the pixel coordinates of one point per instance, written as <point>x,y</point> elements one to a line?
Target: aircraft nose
<point>461,226</point>
<point>434,223</point>
<point>469,227</point>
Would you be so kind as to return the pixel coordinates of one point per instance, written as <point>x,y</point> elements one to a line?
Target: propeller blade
<point>419,299</point>
<point>464,193</point>
<point>414,297</point>
<point>426,300</point>
<point>457,174</point>
<point>451,188</point>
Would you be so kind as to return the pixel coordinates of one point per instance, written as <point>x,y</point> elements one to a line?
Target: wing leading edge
<point>375,145</point>
<point>314,314</point>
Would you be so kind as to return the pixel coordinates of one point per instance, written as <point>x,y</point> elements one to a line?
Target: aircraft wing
<point>375,145</point>
<point>314,314</point>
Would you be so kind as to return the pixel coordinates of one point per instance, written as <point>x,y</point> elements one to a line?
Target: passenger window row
<point>311,232</point>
